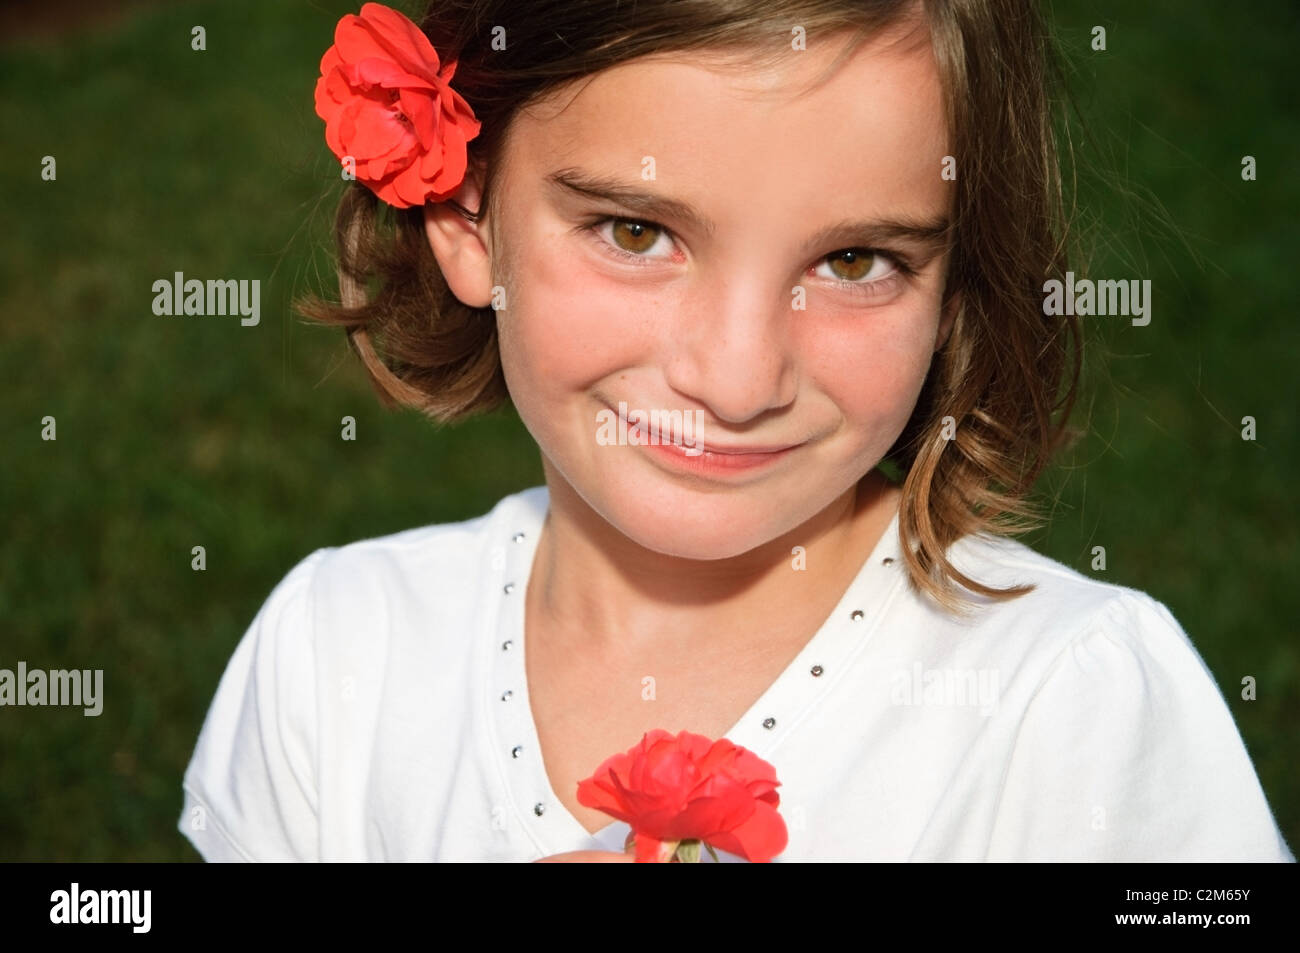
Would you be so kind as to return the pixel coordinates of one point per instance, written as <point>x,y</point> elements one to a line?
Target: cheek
<point>567,326</point>
<point>872,363</point>
<point>565,329</point>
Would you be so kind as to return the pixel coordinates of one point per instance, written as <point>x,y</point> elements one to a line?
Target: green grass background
<point>176,432</point>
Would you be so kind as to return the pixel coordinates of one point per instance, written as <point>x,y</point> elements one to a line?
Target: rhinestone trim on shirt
<point>768,723</point>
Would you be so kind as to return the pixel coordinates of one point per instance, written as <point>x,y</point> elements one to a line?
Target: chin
<point>710,540</point>
<point>693,522</point>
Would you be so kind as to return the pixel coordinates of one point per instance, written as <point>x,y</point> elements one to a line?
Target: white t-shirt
<point>377,710</point>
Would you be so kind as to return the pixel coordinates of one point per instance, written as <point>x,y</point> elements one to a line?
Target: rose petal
<point>374,71</point>
<point>418,107</point>
<point>332,137</point>
<point>668,768</point>
<point>592,795</point>
<point>403,40</point>
<point>388,195</point>
<point>386,190</point>
<point>330,60</point>
<point>410,187</point>
<point>369,130</point>
<point>326,106</point>
<point>384,167</point>
<point>661,822</point>
<point>707,816</point>
<point>356,42</point>
<point>431,163</point>
<point>331,93</point>
<point>760,838</point>
<point>648,848</point>
<point>337,86</point>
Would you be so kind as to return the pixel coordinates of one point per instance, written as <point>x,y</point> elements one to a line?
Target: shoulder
<point>305,682</point>
<point>352,605</point>
<point>440,558</point>
<point>1122,745</point>
<point>1098,656</point>
<point>1078,656</point>
<point>441,546</point>
<point>1074,651</point>
<point>1063,611</point>
<point>1002,561</point>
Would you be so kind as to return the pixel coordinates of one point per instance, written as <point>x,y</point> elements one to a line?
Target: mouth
<point>708,459</point>
<point>698,447</point>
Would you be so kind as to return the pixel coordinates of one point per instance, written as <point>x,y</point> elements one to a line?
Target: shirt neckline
<point>774,715</point>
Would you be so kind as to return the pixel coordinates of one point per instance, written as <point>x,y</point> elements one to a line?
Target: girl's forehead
<point>792,126</point>
<point>770,73</point>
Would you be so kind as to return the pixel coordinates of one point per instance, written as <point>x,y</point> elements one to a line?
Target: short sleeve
<point>250,789</point>
<point>1128,752</point>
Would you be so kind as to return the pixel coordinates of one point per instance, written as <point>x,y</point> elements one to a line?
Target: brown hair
<point>1006,368</point>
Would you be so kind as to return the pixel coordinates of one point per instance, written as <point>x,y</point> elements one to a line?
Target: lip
<point>711,460</point>
<point>713,447</point>
<point>713,464</point>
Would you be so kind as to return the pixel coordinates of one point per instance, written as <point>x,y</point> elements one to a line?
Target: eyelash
<point>903,270</point>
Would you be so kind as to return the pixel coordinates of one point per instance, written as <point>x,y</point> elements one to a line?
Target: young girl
<point>732,262</point>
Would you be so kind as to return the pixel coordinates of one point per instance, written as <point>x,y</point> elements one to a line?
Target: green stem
<point>688,852</point>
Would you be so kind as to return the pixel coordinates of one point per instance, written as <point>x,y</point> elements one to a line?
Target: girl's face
<point>774,263</point>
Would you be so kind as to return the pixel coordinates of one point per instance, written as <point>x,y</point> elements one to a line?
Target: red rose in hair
<point>387,104</point>
<point>687,790</point>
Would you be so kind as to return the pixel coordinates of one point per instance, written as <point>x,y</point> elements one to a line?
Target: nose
<point>730,348</point>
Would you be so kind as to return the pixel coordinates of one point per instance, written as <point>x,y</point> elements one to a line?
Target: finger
<point>587,857</point>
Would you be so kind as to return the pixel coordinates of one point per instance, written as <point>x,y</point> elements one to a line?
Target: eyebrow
<point>929,232</point>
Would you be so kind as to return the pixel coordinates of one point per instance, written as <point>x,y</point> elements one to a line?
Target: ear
<point>461,246</point>
<point>947,318</point>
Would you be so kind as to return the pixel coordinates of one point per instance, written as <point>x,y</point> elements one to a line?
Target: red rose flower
<point>387,104</point>
<point>672,789</point>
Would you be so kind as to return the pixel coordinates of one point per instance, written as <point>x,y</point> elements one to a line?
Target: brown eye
<point>634,236</point>
<point>856,264</point>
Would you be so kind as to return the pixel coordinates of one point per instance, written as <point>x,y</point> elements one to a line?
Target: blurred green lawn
<point>177,432</point>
